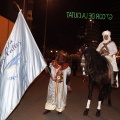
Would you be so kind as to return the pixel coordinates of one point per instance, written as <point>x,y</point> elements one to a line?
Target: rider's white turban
<point>107,32</point>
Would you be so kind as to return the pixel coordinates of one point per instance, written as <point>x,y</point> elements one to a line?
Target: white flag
<point>20,63</point>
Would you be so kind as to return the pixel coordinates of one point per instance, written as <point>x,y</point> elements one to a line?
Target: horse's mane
<point>95,60</point>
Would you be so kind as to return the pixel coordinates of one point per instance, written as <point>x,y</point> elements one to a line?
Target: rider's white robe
<point>112,54</point>
<point>111,57</point>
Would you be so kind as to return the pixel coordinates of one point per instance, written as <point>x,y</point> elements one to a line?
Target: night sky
<point>61,32</point>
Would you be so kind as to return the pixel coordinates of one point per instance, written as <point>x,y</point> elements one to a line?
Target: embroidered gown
<point>57,91</point>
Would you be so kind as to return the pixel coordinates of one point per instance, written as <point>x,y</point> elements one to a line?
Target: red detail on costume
<point>59,67</point>
<point>56,66</point>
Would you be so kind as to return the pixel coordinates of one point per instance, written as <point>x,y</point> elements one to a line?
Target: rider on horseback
<point>108,49</point>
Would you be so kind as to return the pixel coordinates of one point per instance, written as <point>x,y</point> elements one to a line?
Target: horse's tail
<point>106,91</point>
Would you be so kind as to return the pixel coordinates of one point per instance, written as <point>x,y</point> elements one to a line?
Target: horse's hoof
<point>102,101</point>
<point>98,113</point>
<point>86,112</point>
<point>109,103</point>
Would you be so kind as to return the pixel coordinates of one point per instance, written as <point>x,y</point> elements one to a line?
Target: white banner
<point>20,63</point>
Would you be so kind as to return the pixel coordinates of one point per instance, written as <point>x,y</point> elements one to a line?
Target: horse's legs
<point>87,108</point>
<point>89,100</point>
<point>109,96</point>
<point>98,109</point>
<point>100,101</point>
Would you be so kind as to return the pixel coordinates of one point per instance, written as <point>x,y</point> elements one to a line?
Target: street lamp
<point>91,27</point>
<point>44,43</point>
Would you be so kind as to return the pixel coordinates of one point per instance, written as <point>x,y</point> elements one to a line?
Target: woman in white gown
<point>57,88</point>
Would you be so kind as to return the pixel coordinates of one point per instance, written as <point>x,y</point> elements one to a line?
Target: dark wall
<point>9,10</point>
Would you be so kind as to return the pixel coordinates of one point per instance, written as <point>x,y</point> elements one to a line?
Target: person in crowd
<point>74,66</point>
<point>57,87</point>
<point>109,49</point>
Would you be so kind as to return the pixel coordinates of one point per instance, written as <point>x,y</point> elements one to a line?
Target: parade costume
<point>57,88</point>
<point>111,48</point>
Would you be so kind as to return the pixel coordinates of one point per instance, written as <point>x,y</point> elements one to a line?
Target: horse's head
<point>93,61</point>
<point>83,62</point>
<point>83,48</point>
<point>86,51</point>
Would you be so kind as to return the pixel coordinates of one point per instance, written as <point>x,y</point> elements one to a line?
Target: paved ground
<point>32,104</point>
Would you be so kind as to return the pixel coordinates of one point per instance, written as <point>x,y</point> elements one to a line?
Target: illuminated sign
<point>96,16</point>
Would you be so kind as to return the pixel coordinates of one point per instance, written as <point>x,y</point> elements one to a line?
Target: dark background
<point>61,32</point>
